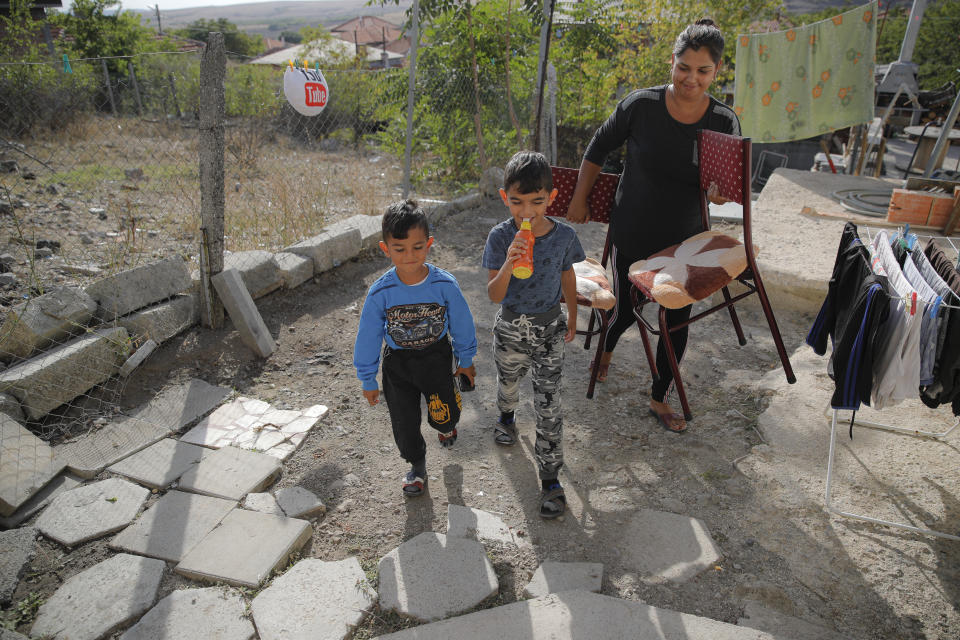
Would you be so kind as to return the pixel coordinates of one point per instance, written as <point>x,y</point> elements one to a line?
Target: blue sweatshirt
<point>412,317</point>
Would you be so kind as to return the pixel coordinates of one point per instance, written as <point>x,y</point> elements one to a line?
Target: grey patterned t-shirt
<point>553,254</point>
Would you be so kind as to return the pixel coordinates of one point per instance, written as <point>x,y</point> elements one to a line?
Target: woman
<point>657,204</point>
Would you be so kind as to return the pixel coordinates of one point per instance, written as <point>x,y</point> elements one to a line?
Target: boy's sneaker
<point>447,439</point>
<point>505,431</point>
<point>414,483</point>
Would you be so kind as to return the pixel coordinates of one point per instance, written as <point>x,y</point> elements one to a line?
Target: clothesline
<point>940,239</point>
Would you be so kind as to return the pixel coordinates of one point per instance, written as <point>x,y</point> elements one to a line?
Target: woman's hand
<point>578,211</point>
<point>713,194</point>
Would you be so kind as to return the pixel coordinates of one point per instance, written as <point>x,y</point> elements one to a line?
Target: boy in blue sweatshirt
<point>413,307</point>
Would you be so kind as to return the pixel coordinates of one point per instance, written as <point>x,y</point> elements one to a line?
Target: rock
<point>38,323</point>
<point>8,280</point>
<point>17,548</point>
<point>491,182</point>
<point>298,502</point>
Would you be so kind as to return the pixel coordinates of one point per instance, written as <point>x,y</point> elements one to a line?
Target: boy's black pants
<point>409,374</point>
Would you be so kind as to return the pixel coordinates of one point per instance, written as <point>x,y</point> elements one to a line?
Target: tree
<point>96,33</point>
<point>292,37</point>
<point>236,42</point>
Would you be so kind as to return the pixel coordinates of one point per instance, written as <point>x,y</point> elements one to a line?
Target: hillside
<point>270,18</point>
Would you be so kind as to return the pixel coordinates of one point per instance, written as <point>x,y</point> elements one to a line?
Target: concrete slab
<point>17,548</point>
<point>242,310</point>
<point>245,548</point>
<point>231,473</point>
<point>95,602</point>
<point>91,511</point>
<point>370,227</point>
<point>173,526</point>
<point>336,244</point>
<point>298,502</point>
<point>432,576</point>
<point>262,502</point>
<point>554,577</point>
<point>44,320</point>
<point>159,464</point>
<point>133,289</point>
<point>6,634</point>
<point>28,464</point>
<point>258,270</point>
<point>134,361</point>
<point>168,412</point>
<point>574,615</point>
<point>756,616</point>
<point>165,320</point>
<point>11,406</point>
<point>314,600</point>
<point>466,522</point>
<point>212,614</point>
<point>50,379</point>
<point>674,547</point>
<point>294,269</point>
<point>62,482</point>
<point>248,423</point>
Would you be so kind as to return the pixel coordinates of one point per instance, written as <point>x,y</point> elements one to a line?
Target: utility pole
<point>156,10</point>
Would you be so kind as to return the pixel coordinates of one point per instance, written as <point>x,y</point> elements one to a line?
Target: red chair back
<point>600,199</point>
<point>722,159</point>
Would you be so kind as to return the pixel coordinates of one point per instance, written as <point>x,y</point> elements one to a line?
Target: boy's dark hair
<point>702,33</point>
<point>528,171</point>
<point>400,217</point>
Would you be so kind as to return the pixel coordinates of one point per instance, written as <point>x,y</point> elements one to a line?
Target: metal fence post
<point>411,91</point>
<point>213,69</point>
<point>136,89</point>
<point>106,81</point>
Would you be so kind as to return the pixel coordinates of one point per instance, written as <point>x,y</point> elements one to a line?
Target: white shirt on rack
<point>896,370</point>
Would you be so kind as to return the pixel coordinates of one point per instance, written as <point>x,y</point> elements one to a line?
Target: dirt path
<point>779,547</point>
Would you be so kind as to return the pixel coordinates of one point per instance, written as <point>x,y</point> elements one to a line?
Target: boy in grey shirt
<point>530,330</point>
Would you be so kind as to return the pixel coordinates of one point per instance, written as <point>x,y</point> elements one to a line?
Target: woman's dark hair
<point>702,33</point>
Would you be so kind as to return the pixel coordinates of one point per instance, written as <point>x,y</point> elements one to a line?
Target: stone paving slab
<point>17,548</point>
<point>248,423</point>
<point>173,526</point>
<point>190,614</point>
<point>674,547</point>
<point>466,522</point>
<point>432,576</point>
<point>160,464</point>
<point>54,377</point>
<point>93,603</point>
<point>298,502</point>
<point>576,615</point>
<point>262,502</point>
<point>28,464</point>
<point>314,600</point>
<point>231,473</point>
<point>554,577</point>
<point>91,511</point>
<point>62,482</point>
<point>245,548</point>
<point>166,413</point>
<point>133,289</point>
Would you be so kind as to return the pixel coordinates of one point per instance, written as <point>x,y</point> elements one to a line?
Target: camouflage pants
<point>521,345</point>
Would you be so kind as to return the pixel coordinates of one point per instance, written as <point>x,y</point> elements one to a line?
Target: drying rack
<point>942,240</point>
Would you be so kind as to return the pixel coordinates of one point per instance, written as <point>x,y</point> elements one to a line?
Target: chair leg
<point>733,316</point>
<point>674,365</point>
<point>635,299</point>
<point>586,343</point>
<point>774,330</point>
<point>601,341</point>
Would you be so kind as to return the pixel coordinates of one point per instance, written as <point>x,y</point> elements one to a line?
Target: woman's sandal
<point>602,371</point>
<point>413,484</point>
<point>505,434</point>
<point>553,502</point>
<point>672,422</point>
<point>447,439</point>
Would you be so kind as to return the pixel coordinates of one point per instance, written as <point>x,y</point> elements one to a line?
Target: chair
<point>707,262</point>
<point>593,288</point>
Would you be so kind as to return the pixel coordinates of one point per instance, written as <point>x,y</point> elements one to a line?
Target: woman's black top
<point>657,204</point>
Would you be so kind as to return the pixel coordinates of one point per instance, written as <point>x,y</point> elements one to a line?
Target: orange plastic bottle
<point>523,268</point>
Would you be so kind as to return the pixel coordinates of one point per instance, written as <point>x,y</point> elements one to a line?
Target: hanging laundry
<point>946,386</point>
<point>807,81</point>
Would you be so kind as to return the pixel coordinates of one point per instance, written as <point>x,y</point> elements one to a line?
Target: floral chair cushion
<point>593,288</point>
<point>690,271</point>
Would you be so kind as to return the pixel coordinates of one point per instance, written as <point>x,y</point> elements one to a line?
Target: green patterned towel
<point>807,81</point>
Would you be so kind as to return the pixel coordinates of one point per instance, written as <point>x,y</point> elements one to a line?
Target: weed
<point>23,612</point>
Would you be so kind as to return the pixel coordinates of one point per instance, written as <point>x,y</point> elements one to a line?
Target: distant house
<point>331,51</point>
<point>38,11</point>
<point>270,45</point>
<point>372,31</point>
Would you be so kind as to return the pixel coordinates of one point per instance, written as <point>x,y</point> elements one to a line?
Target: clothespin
<point>316,67</point>
<point>935,306</point>
<point>66,64</point>
<point>913,303</point>
<point>290,62</point>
